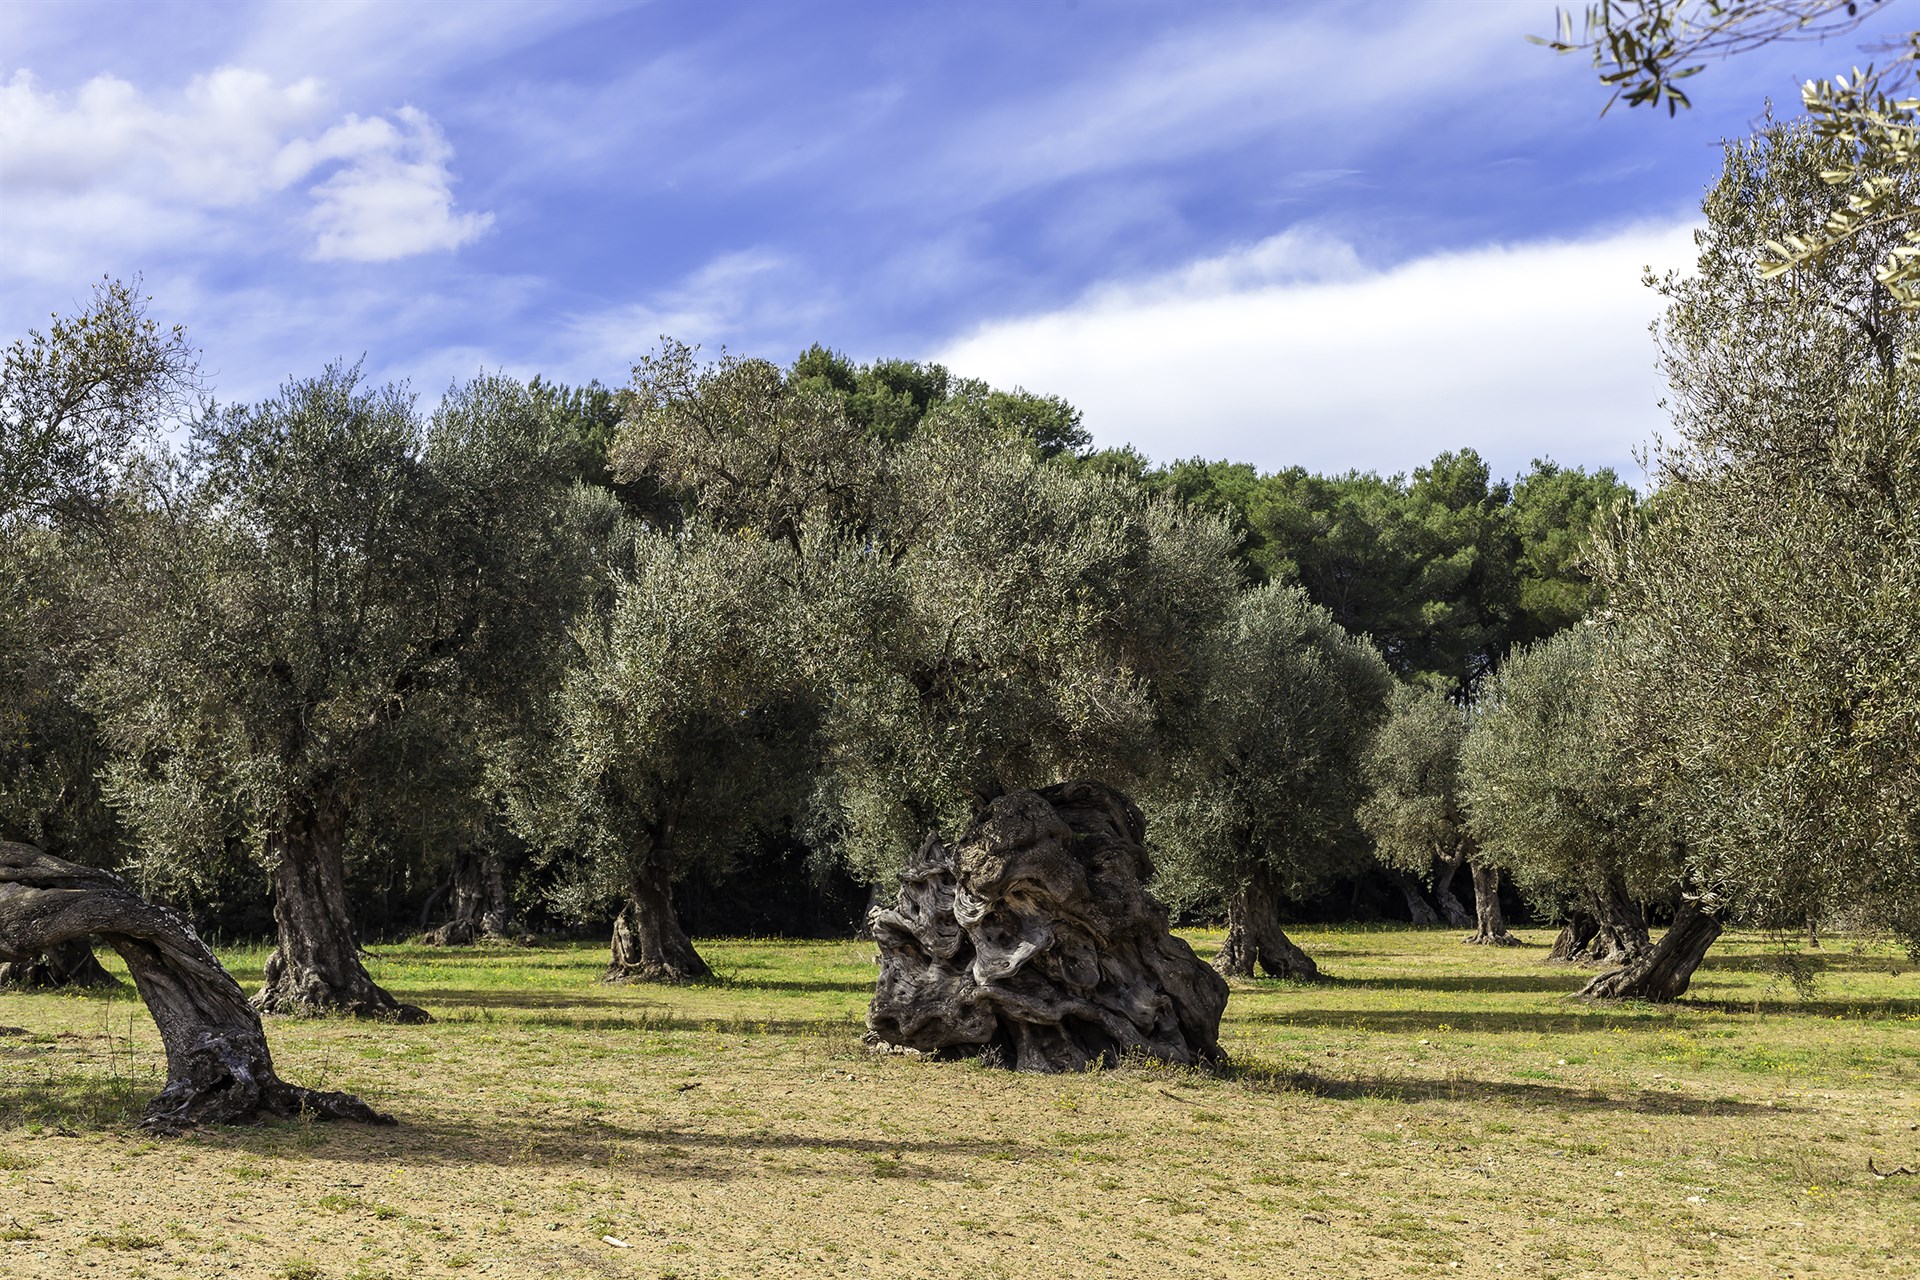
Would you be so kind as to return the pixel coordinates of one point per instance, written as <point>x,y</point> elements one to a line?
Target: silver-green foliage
<point>1413,807</point>
<point>1769,611</point>
<point>1550,790</point>
<point>680,729</point>
<point>330,593</point>
<point>1270,763</point>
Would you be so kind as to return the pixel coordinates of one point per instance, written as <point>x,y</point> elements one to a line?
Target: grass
<point>1436,1109</point>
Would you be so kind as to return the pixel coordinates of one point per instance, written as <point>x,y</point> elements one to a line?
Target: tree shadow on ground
<point>1556,979</point>
<point>1785,962</point>
<point>1516,1093</point>
<point>1576,1019</point>
<point>1794,1007</point>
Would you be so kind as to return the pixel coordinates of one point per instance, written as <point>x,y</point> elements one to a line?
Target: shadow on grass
<point>1557,979</point>
<point>1819,962</point>
<point>1602,1018</point>
<point>1791,1007</point>
<point>1514,1093</point>
<point>646,1151</point>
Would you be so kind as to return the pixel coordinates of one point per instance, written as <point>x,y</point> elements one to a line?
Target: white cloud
<point>111,171</point>
<point>1289,352</point>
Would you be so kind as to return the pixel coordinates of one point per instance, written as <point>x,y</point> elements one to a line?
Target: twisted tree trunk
<point>1663,972</point>
<point>1490,922</point>
<point>1576,935</point>
<point>1445,871</point>
<point>480,908</point>
<point>1254,936</point>
<point>68,964</point>
<point>1418,907</point>
<point>648,943</point>
<point>218,1067</point>
<point>316,967</point>
<point>1623,938</point>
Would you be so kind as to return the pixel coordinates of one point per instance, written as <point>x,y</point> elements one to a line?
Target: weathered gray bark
<point>1033,943</point>
<point>480,909</point>
<point>1452,910</point>
<point>1663,972</point>
<point>218,1067</point>
<point>648,943</point>
<point>1604,928</point>
<point>69,964</point>
<point>1254,936</point>
<point>1417,905</point>
<point>316,967</point>
<point>1490,923</point>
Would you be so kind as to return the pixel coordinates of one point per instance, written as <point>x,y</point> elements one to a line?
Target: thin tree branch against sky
<point>1337,235</point>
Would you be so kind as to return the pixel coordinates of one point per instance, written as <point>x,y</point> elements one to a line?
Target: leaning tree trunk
<point>1576,935</point>
<point>1417,905</point>
<point>69,964</point>
<point>316,968</point>
<point>1254,936</point>
<point>1490,922</point>
<point>1663,972</point>
<point>648,943</point>
<point>218,1067</point>
<point>1445,871</point>
<point>479,901</point>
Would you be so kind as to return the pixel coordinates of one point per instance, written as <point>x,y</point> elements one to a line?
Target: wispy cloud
<point>1290,352</point>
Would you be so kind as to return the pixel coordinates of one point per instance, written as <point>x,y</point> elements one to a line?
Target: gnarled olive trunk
<point>1607,928</point>
<point>1662,972</point>
<point>648,943</point>
<point>316,967</point>
<point>1452,910</point>
<point>1490,923</point>
<point>218,1066</point>
<point>67,964</point>
<point>479,899</point>
<point>1033,943</point>
<point>1254,936</point>
<point>1418,908</point>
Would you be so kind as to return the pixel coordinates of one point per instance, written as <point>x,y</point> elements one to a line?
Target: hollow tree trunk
<point>1623,938</point>
<point>316,967</point>
<point>219,1070</point>
<point>1662,972</point>
<point>1490,922</point>
<point>1576,935</point>
<point>1417,905</point>
<point>1254,936</point>
<point>1445,871</point>
<point>480,907</point>
<point>648,943</point>
<point>69,964</point>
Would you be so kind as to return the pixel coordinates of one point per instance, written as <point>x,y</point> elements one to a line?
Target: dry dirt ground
<point>1435,1110</point>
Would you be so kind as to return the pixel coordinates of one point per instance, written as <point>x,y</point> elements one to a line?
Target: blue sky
<point>1335,235</point>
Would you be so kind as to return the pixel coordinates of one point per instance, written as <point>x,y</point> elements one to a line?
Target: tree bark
<point>1662,972</point>
<point>1418,907</point>
<point>1623,938</point>
<point>1490,922</point>
<point>316,967</point>
<point>480,908</point>
<point>1445,871</point>
<point>1254,936</point>
<point>219,1070</point>
<point>1576,935</point>
<point>68,964</point>
<point>648,943</point>
<point>1034,945</point>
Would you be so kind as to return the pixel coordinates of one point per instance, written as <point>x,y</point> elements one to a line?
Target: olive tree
<point>1413,807</point>
<point>1555,796</point>
<point>1769,615</point>
<point>679,730</point>
<point>1258,802</point>
<point>327,583</point>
